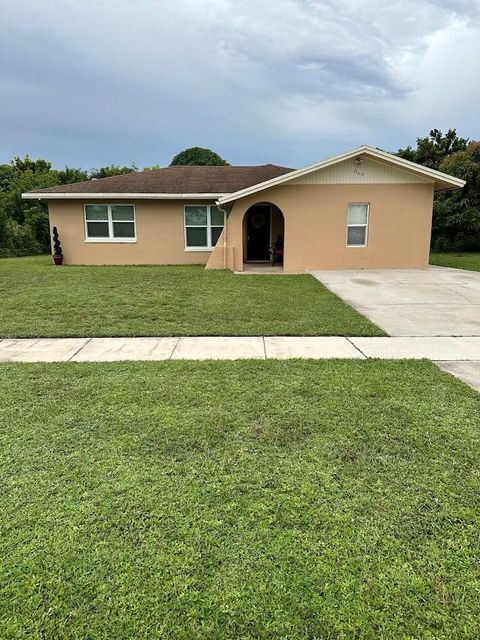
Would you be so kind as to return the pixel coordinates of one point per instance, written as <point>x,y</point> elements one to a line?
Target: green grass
<point>332,500</point>
<point>38,299</point>
<point>469,261</point>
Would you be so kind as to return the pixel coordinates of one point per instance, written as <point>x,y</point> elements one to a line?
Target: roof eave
<point>55,195</point>
<point>443,187</point>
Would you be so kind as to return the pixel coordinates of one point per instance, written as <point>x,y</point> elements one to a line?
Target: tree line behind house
<point>456,215</point>
<point>24,228</point>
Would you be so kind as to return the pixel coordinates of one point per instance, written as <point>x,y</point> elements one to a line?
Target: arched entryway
<point>263,235</point>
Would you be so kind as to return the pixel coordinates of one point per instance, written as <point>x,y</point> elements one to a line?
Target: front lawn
<point>335,499</point>
<point>470,261</point>
<point>38,299</point>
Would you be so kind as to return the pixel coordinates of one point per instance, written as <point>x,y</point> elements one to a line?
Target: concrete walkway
<point>469,372</point>
<point>459,356</point>
<point>438,301</point>
<point>233,348</point>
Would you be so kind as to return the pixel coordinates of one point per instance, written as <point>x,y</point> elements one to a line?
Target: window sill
<point>112,240</point>
<point>204,249</point>
<point>356,246</point>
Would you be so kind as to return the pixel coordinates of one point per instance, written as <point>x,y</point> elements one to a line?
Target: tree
<point>6,173</point>
<point>432,149</point>
<point>24,223</point>
<point>456,220</point>
<point>69,175</point>
<point>27,164</point>
<point>24,179</point>
<point>111,170</point>
<point>456,214</point>
<point>200,157</point>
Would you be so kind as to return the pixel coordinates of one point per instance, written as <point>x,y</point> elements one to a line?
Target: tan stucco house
<point>361,209</point>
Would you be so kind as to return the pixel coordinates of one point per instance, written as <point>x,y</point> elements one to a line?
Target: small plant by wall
<point>57,248</point>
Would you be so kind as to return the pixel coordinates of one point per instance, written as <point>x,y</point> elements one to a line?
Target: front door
<point>258,232</point>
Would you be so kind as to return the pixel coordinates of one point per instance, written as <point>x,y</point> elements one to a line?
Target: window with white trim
<point>203,226</point>
<point>357,224</point>
<point>110,222</point>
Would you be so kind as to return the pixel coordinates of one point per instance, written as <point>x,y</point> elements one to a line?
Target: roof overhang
<point>441,180</point>
<point>31,195</point>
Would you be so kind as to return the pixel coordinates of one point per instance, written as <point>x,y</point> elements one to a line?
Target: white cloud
<point>285,81</point>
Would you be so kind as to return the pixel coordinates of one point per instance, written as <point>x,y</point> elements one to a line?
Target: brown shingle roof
<point>177,179</point>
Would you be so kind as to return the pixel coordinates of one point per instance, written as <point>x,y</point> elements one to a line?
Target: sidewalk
<point>233,348</point>
<point>457,355</point>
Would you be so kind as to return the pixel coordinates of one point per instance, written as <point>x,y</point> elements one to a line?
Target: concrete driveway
<point>412,302</point>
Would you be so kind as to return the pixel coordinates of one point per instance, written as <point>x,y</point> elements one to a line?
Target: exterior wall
<point>218,258</point>
<point>277,224</point>
<point>159,230</point>
<point>315,216</point>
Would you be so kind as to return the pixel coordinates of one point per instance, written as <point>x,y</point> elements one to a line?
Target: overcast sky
<point>88,83</point>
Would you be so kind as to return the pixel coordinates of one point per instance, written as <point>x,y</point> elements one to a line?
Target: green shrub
<point>19,240</point>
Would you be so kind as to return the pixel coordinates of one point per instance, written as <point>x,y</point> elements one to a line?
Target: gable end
<point>367,171</point>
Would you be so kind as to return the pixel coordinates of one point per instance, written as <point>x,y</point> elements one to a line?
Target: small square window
<point>123,212</point>
<point>96,212</point>
<point>356,236</point>
<point>196,216</point>
<point>216,217</point>
<point>357,214</point>
<point>97,229</point>
<point>123,230</point>
<point>197,237</point>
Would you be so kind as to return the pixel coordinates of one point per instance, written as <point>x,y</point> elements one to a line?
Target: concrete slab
<point>469,292</point>
<point>432,275</point>
<point>40,349</point>
<point>381,294</point>
<point>219,348</point>
<point>116,349</point>
<point>424,319</point>
<point>412,302</point>
<point>433,348</point>
<point>282,347</point>
<point>469,372</point>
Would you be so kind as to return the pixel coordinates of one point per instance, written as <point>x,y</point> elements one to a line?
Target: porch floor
<point>261,267</point>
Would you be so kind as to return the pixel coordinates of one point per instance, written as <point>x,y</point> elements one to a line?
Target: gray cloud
<point>285,81</point>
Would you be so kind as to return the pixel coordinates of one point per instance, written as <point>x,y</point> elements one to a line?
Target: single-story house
<point>361,209</point>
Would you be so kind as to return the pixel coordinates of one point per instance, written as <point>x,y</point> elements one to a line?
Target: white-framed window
<point>203,226</point>
<point>110,223</point>
<point>357,224</point>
